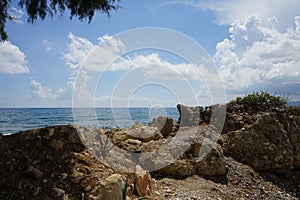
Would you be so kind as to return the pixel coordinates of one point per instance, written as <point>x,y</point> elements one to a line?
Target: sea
<point>13,120</point>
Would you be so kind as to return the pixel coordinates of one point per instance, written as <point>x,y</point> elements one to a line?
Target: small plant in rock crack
<point>105,145</point>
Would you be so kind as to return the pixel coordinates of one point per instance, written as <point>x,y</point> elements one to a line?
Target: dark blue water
<point>13,120</point>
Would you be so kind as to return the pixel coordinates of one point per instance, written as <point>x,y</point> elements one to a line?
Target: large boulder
<point>190,116</point>
<point>270,144</point>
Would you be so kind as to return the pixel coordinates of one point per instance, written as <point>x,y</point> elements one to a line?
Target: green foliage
<point>3,18</point>
<point>261,101</point>
<point>83,9</point>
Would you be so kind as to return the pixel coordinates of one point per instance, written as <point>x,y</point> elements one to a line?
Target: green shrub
<point>261,101</point>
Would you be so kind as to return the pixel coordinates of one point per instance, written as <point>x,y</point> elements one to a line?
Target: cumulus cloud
<point>228,11</point>
<point>107,55</point>
<point>99,55</point>
<point>77,51</point>
<point>260,56</point>
<point>110,55</point>
<point>13,60</point>
<point>38,90</point>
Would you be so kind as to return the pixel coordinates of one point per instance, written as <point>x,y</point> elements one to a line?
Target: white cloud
<point>48,45</point>
<point>154,66</point>
<point>77,51</point>
<point>99,55</point>
<point>40,91</point>
<point>228,11</point>
<point>260,57</point>
<point>13,60</point>
<point>107,56</point>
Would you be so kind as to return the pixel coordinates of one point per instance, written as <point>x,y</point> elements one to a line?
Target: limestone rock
<point>133,142</point>
<point>189,116</point>
<point>48,133</point>
<point>157,135</point>
<point>213,163</point>
<point>201,155</point>
<point>137,132</point>
<point>108,189</point>
<point>57,144</point>
<point>180,168</point>
<point>143,182</point>
<point>164,124</point>
<point>73,136</point>
<point>270,144</point>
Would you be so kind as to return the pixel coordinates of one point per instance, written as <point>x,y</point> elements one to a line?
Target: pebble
<point>35,172</point>
<point>133,142</point>
<point>168,191</point>
<point>37,191</point>
<point>87,188</point>
<point>57,192</point>
<point>166,182</point>
<point>64,176</point>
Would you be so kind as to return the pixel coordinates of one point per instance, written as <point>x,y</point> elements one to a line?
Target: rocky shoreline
<point>255,156</point>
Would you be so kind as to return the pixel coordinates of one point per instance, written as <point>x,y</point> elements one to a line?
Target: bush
<point>261,101</point>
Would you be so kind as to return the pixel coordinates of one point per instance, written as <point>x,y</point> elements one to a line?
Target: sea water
<point>13,120</point>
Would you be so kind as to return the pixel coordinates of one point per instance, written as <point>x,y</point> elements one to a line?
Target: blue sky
<point>254,45</point>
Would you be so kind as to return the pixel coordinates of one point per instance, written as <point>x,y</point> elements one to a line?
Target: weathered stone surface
<point>137,132</point>
<point>189,116</point>
<point>48,133</point>
<point>73,136</point>
<point>133,142</point>
<point>57,144</point>
<point>157,135</point>
<point>164,125</point>
<point>198,155</point>
<point>267,140</point>
<point>180,168</point>
<point>108,189</point>
<point>194,116</point>
<point>213,163</point>
<point>271,143</point>
<point>143,182</point>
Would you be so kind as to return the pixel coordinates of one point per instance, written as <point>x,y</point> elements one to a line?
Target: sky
<point>152,54</point>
